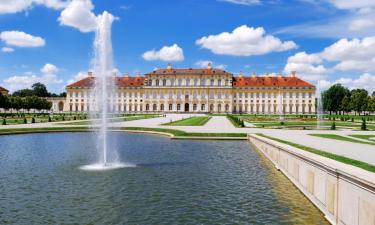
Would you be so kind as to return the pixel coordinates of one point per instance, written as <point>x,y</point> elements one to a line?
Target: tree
<point>370,106</point>
<point>332,98</point>
<point>345,104</point>
<point>373,94</point>
<point>23,93</point>
<point>40,90</point>
<point>359,100</point>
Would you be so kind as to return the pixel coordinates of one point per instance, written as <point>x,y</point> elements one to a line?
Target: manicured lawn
<point>176,133</point>
<point>192,121</point>
<point>329,155</point>
<point>113,120</point>
<point>365,137</point>
<point>341,138</point>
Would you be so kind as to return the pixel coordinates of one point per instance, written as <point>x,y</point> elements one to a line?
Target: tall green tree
<point>359,100</point>
<point>346,104</point>
<point>332,98</point>
<point>40,90</point>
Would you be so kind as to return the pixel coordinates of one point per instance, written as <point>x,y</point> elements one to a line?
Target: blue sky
<point>323,40</point>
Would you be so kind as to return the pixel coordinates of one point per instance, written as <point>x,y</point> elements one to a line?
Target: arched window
<point>219,82</point>
<point>211,107</point>
<point>180,82</point>
<point>154,107</point>
<point>203,107</point>
<point>147,107</point>
<point>203,82</point>
<point>219,108</point>
<point>226,108</point>
<point>196,82</point>
<point>187,82</point>
<point>178,107</point>
<point>170,107</point>
<point>194,107</point>
<point>162,107</point>
<point>157,82</point>
<point>212,82</point>
<point>164,82</point>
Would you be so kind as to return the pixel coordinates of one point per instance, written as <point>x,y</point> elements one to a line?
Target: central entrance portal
<point>186,107</point>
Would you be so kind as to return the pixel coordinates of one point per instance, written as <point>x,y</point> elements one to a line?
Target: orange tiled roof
<point>189,71</point>
<point>120,82</point>
<point>270,82</point>
<point>3,89</point>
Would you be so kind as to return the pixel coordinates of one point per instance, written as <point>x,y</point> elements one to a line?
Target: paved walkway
<point>220,124</point>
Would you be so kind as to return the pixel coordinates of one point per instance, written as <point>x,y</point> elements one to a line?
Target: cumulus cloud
<point>244,41</point>
<point>78,14</point>
<point>49,69</point>
<point>27,79</point>
<point>79,76</point>
<point>365,81</point>
<point>360,24</point>
<point>7,49</point>
<point>21,39</point>
<point>243,2</point>
<point>204,63</point>
<point>171,53</point>
<point>15,6</point>
<point>343,55</point>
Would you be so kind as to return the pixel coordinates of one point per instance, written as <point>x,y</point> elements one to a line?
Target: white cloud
<point>343,55</point>
<point>15,6</point>
<point>204,64</point>
<point>365,81</point>
<point>244,41</point>
<point>49,69</point>
<point>360,24</point>
<point>243,2</point>
<point>27,79</point>
<point>166,53</point>
<point>303,57</point>
<point>21,39</point>
<point>78,14</point>
<point>7,49</point>
<point>79,76</point>
<point>352,4</point>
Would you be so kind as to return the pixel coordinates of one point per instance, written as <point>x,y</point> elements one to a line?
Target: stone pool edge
<point>344,194</point>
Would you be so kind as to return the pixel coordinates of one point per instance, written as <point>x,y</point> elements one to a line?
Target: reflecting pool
<point>173,182</point>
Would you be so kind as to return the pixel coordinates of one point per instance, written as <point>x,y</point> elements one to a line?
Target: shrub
<point>33,120</point>
<point>333,126</point>
<point>4,122</point>
<point>352,119</point>
<point>49,119</point>
<point>282,123</point>
<point>363,126</point>
<point>74,117</point>
<point>342,118</point>
<point>24,120</point>
<point>63,118</point>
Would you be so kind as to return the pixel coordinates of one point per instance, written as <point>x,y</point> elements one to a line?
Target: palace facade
<point>204,90</point>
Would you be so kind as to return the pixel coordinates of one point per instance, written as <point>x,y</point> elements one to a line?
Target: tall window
<point>203,82</point>
<point>170,107</point>
<point>179,82</point>
<point>196,82</point>
<point>164,82</point>
<point>187,82</point>
<point>219,82</point>
<point>178,107</point>
<point>212,82</point>
<point>203,107</point>
<point>157,82</point>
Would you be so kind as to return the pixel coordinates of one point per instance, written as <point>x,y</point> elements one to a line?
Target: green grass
<point>329,155</point>
<point>365,137</point>
<point>176,133</point>
<point>113,120</point>
<point>192,121</point>
<point>341,138</point>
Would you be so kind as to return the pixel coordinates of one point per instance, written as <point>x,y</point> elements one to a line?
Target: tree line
<point>340,100</point>
<point>28,99</point>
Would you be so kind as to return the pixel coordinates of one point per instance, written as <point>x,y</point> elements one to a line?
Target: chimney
<point>279,75</point>
<point>254,74</point>
<point>209,66</point>
<point>241,74</point>
<point>294,73</point>
<point>126,75</point>
<point>169,67</point>
<point>89,74</point>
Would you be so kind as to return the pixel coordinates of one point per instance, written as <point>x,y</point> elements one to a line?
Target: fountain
<point>104,94</point>
<point>319,111</point>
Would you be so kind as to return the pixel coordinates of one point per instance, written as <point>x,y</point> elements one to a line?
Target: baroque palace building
<point>204,90</point>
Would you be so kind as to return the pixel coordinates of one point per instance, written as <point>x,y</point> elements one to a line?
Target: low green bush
<point>363,125</point>
<point>333,126</point>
